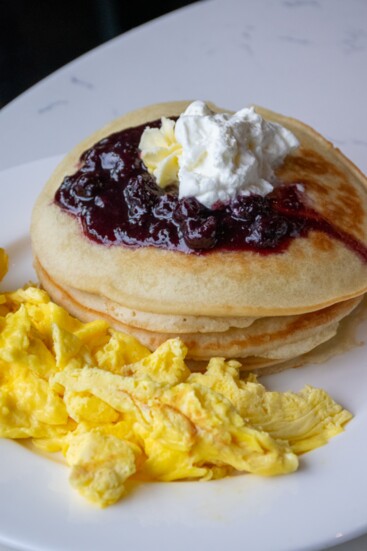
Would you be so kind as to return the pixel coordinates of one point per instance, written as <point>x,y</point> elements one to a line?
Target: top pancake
<point>312,273</point>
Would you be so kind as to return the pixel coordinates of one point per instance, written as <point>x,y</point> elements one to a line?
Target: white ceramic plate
<point>322,504</point>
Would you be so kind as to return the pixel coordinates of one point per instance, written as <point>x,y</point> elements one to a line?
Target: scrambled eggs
<point>117,411</point>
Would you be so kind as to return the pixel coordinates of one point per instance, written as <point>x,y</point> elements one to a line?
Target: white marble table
<point>304,58</point>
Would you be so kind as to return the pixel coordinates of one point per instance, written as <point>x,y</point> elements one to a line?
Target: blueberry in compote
<point>200,233</point>
<point>113,164</point>
<point>287,199</point>
<point>165,207</point>
<point>267,231</point>
<point>87,190</point>
<point>189,207</point>
<point>141,194</point>
<point>247,207</point>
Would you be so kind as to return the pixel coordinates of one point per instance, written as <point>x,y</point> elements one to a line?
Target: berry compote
<point>118,202</point>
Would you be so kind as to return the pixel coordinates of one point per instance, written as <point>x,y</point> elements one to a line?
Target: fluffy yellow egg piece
<point>100,465</point>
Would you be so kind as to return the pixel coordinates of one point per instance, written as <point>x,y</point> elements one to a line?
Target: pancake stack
<point>263,309</point>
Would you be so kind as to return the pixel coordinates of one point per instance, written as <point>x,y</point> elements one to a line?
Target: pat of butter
<point>160,152</point>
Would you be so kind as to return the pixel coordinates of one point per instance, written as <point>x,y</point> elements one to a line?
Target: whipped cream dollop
<point>216,156</point>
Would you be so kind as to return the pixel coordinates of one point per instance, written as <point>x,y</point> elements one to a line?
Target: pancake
<point>264,342</point>
<point>264,309</point>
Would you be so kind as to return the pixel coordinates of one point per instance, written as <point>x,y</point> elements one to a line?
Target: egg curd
<point>116,411</point>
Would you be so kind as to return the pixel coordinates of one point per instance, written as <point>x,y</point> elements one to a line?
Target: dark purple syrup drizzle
<point>118,202</point>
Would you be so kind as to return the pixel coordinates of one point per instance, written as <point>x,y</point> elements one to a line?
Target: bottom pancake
<point>261,343</point>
